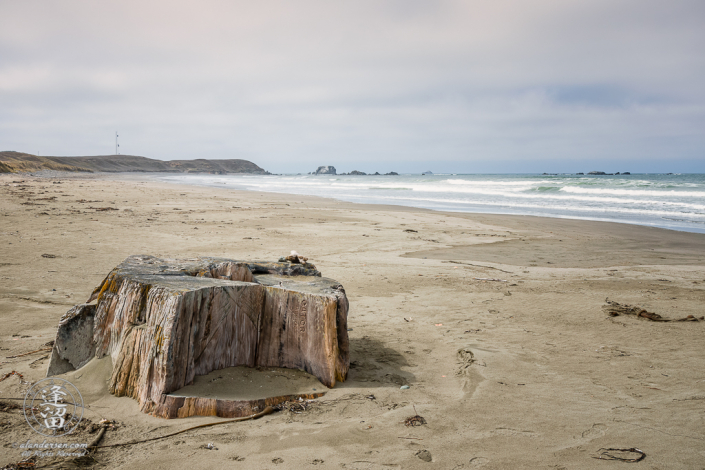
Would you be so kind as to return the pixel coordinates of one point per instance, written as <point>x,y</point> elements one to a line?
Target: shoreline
<point>148,177</point>
<point>476,207</point>
<point>395,207</point>
<point>529,372</point>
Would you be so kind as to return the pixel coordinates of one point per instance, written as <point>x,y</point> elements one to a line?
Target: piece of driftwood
<point>163,322</point>
<point>615,309</point>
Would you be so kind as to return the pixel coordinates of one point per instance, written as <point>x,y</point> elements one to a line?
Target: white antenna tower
<point>117,146</point>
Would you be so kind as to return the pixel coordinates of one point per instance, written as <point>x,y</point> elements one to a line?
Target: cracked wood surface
<point>164,322</point>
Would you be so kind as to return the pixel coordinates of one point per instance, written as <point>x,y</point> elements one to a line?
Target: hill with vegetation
<point>18,162</point>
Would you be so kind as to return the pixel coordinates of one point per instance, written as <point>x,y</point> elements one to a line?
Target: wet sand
<point>527,373</point>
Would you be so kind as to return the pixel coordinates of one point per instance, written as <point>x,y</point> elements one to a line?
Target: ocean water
<point>675,201</point>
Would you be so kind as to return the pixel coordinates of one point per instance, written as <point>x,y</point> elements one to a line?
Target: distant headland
<point>17,162</point>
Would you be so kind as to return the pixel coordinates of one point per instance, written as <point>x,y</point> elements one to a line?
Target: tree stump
<point>165,321</point>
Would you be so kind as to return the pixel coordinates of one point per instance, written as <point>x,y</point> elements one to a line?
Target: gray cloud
<point>392,85</point>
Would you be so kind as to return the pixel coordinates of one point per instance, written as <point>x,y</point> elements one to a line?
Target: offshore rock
<point>165,321</point>
<point>325,170</point>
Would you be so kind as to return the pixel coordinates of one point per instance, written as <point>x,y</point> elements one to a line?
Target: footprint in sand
<point>466,358</point>
<point>597,430</point>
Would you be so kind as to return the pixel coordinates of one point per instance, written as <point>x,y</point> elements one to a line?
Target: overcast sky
<point>407,85</point>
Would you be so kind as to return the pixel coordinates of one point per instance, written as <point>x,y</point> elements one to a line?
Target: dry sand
<point>528,373</point>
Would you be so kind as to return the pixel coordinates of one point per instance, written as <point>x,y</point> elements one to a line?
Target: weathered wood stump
<point>165,321</point>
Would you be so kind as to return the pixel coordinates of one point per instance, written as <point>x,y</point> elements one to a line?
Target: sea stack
<point>325,170</point>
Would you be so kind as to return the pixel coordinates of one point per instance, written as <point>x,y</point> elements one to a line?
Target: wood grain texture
<point>164,322</point>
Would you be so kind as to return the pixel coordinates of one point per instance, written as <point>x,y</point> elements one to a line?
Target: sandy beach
<point>496,324</point>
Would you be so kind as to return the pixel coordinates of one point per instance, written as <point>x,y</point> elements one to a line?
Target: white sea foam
<point>672,201</point>
<point>633,192</point>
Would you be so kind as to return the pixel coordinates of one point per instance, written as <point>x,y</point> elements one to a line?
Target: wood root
<point>265,412</point>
